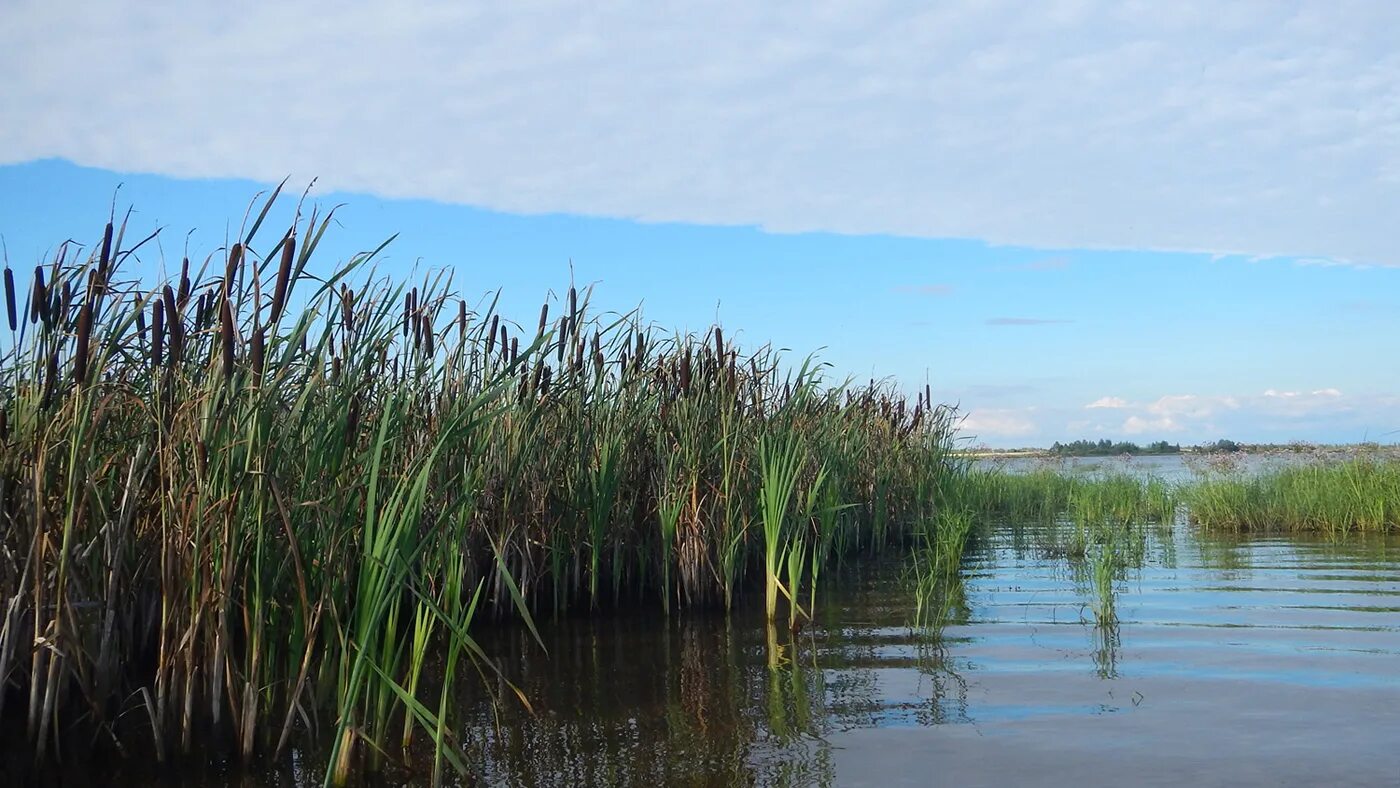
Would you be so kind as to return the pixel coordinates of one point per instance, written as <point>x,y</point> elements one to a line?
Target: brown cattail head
<point>173,322</point>
<point>462,320</point>
<point>427,336</point>
<point>141,322</point>
<point>256,353</point>
<point>407,309</point>
<point>561,339</point>
<point>184,283</point>
<point>514,349</point>
<point>578,356</point>
<point>39,305</point>
<point>685,370</point>
<point>157,332</point>
<point>106,255</point>
<point>235,259</point>
<point>491,335</point>
<point>544,381</point>
<point>347,308</point>
<point>544,318</point>
<point>10,310</point>
<point>573,306</point>
<point>719,343</point>
<point>226,337</point>
<point>284,277</point>
<point>80,357</point>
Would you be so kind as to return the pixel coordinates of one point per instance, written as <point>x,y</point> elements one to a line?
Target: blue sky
<point>1094,220</point>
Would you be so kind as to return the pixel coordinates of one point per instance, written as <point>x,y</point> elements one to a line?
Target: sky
<point>1088,219</point>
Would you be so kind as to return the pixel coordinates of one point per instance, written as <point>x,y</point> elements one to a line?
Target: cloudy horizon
<point>1135,221</point>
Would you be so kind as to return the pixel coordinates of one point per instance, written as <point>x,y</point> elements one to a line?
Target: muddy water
<point>1265,661</point>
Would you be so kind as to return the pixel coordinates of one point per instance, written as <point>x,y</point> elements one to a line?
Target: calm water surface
<point>1266,661</point>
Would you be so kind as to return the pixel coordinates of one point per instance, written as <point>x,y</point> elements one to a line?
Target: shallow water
<point>1264,661</point>
<point>1186,467</point>
<point>1235,661</point>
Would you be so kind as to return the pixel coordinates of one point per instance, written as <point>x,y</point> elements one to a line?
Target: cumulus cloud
<point>1137,425</point>
<point>1252,128</point>
<point>998,422</point>
<point>1108,402</point>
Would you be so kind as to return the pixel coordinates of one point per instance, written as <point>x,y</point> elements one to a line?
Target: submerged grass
<point>246,506</point>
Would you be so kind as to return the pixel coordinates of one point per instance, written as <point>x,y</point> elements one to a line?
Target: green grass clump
<point>1360,494</point>
<point>1046,495</point>
<point>256,504</point>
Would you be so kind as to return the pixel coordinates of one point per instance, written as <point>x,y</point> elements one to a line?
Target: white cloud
<point>1137,425</point>
<point>1107,402</point>
<point>1253,128</point>
<point>1192,405</point>
<point>998,422</point>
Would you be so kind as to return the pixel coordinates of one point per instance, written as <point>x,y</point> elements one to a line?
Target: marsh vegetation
<point>266,502</point>
<point>268,505</point>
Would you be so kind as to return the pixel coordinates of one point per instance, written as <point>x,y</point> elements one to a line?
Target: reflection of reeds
<point>258,517</point>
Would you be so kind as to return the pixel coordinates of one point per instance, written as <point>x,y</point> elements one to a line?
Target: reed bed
<point>256,506</point>
<point>1355,495</point>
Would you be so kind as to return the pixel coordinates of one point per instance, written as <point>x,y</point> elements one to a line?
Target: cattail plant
<point>257,521</point>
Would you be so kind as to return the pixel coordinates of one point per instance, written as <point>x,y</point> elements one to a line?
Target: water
<point>1266,661</point>
<point>1187,467</point>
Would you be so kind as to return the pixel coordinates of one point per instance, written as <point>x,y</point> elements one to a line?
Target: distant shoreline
<point>1244,448</point>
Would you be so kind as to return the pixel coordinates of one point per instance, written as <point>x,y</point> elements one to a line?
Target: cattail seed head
<point>80,357</point>
<point>226,337</point>
<point>256,353</point>
<point>184,283</point>
<point>10,310</point>
<point>491,335</point>
<point>544,318</point>
<point>157,332</point>
<point>235,259</point>
<point>39,306</point>
<point>284,277</point>
<point>514,349</point>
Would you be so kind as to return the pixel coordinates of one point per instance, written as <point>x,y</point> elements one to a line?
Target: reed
<point>1361,494</point>
<point>259,516</point>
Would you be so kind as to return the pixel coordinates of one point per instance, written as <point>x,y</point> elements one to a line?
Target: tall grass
<point>248,505</point>
<point>1360,494</point>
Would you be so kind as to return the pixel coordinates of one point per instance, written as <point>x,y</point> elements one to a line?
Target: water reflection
<point>1012,640</point>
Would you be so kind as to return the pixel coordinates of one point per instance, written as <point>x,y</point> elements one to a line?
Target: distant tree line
<point>1108,448</point>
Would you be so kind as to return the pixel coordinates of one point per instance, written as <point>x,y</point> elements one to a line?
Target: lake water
<point>1185,467</point>
<point>1236,661</point>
